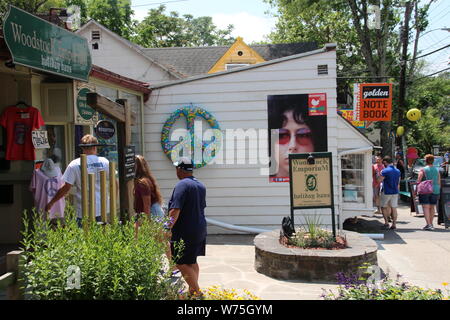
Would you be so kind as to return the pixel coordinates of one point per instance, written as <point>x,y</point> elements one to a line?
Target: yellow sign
<point>311,183</point>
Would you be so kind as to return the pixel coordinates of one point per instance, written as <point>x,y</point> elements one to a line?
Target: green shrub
<point>112,264</point>
<point>312,235</point>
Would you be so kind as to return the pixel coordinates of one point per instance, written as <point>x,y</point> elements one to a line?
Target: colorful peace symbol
<point>208,148</point>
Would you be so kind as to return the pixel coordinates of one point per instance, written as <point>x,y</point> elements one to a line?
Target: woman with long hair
<point>429,201</point>
<point>147,195</point>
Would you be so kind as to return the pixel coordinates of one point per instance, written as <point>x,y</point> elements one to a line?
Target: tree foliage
<point>431,96</point>
<point>364,53</point>
<point>159,29</point>
<point>116,15</point>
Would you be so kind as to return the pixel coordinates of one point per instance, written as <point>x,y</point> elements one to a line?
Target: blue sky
<point>252,23</point>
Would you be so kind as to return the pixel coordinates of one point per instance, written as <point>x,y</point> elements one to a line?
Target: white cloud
<point>250,28</point>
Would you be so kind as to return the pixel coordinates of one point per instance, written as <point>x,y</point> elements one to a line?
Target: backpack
<point>425,186</point>
<point>287,227</point>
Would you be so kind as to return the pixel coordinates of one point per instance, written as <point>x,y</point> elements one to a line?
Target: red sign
<point>317,104</point>
<point>376,101</point>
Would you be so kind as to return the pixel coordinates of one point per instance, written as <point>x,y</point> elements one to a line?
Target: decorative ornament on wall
<point>200,146</point>
<point>400,131</point>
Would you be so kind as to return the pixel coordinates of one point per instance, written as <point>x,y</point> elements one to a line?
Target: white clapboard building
<point>239,194</point>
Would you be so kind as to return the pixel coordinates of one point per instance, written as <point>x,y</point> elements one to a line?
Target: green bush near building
<point>106,262</point>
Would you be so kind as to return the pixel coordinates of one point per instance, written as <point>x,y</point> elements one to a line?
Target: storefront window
<point>353,177</point>
<point>56,140</point>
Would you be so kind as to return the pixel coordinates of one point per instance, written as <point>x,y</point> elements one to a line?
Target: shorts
<point>428,198</point>
<point>191,250</point>
<point>388,200</point>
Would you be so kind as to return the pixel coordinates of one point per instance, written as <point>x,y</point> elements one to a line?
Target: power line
<point>427,54</point>
<point>155,3</point>
<point>436,43</point>
<point>429,75</point>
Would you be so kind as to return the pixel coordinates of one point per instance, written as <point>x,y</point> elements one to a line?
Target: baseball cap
<point>184,163</point>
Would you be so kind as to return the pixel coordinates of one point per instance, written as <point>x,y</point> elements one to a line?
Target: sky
<point>252,23</point>
<point>248,17</point>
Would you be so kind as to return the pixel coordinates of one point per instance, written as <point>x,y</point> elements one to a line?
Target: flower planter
<point>277,261</point>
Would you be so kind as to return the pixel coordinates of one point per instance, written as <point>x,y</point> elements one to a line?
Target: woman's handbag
<point>425,187</point>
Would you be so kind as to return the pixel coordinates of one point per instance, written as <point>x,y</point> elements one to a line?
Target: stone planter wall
<point>277,261</point>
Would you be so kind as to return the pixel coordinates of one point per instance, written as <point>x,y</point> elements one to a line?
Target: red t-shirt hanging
<point>19,122</point>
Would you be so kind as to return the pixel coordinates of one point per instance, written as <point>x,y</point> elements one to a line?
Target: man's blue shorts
<point>191,250</point>
<point>428,198</point>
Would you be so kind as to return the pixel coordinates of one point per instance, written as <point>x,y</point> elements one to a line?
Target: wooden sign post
<point>121,112</point>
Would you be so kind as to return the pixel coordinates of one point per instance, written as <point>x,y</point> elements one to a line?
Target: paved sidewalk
<point>421,257</point>
<point>229,263</point>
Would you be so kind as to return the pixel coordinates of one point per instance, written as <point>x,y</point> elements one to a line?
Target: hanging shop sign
<point>84,114</point>
<point>39,44</point>
<point>348,114</point>
<point>375,102</point>
<point>105,129</point>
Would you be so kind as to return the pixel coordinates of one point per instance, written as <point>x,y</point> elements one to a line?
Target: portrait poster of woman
<point>297,124</point>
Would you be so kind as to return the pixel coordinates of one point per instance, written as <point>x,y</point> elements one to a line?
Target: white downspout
<point>234,227</point>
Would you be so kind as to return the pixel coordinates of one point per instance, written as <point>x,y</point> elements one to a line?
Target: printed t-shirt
<point>72,175</point>
<point>44,189</point>
<point>391,179</point>
<point>19,122</point>
<point>189,196</point>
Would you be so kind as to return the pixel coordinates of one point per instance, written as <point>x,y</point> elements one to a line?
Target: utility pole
<point>402,84</point>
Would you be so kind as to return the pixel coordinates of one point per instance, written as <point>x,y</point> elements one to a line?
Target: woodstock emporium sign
<point>38,44</point>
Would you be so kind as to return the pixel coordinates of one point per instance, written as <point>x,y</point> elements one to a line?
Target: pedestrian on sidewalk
<point>186,209</point>
<point>429,201</point>
<point>390,176</point>
<point>147,195</point>
<point>72,176</point>
<point>376,184</point>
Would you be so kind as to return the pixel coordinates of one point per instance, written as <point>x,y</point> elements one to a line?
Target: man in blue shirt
<point>186,209</point>
<point>390,176</point>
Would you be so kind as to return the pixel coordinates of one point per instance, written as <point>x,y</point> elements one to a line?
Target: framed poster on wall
<point>297,124</point>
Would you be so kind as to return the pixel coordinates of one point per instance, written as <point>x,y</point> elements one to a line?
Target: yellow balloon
<point>400,131</point>
<point>413,114</point>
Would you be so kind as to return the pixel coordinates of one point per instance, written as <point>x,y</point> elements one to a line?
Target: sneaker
<point>393,227</point>
<point>428,227</point>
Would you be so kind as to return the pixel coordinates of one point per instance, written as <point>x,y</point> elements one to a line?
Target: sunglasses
<point>302,136</point>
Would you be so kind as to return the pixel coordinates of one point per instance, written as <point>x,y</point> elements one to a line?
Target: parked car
<point>420,164</point>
